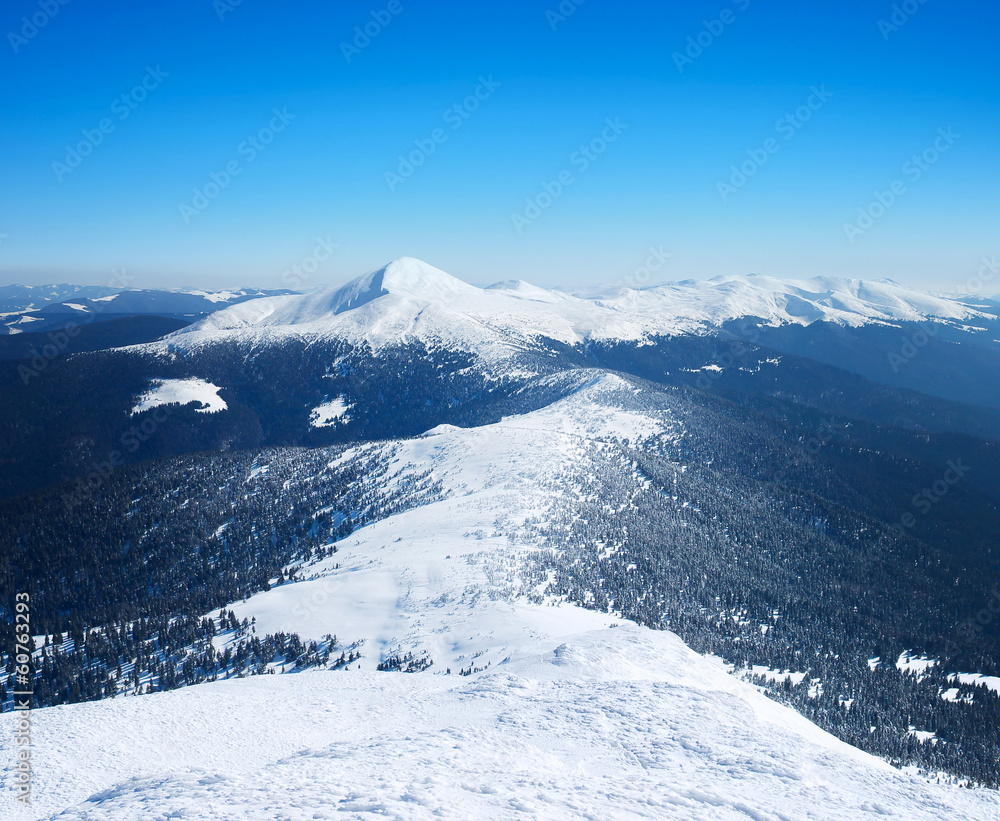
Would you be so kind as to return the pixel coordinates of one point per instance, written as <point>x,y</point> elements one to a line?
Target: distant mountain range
<point>42,308</point>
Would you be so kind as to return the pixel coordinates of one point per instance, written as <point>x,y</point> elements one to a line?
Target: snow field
<point>182,392</point>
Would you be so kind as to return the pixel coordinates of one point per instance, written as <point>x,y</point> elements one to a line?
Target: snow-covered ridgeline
<point>409,300</point>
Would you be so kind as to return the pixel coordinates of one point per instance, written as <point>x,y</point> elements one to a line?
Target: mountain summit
<point>410,300</point>
<point>404,277</point>
<point>412,277</point>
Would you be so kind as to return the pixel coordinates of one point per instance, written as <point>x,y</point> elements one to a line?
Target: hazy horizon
<point>123,281</point>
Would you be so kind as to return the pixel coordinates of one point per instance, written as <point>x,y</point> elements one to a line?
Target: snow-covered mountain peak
<point>411,301</point>
<point>408,276</point>
<point>405,277</point>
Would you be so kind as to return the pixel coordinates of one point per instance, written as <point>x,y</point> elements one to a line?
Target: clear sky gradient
<point>101,175</point>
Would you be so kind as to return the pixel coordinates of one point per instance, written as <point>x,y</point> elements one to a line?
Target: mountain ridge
<point>410,299</point>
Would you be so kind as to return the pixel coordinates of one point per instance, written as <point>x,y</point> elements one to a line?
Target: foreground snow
<point>587,721</point>
<point>571,713</point>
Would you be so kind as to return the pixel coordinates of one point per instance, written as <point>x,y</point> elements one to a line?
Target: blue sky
<point>823,107</point>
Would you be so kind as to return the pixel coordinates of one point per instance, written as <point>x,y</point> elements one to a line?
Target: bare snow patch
<point>923,736</point>
<point>182,392</point>
<point>216,296</point>
<point>776,676</point>
<point>954,695</point>
<point>329,413</point>
<point>977,679</point>
<point>260,470</point>
<point>909,662</point>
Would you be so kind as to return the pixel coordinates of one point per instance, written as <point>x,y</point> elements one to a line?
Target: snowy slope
<point>589,722</point>
<point>409,300</point>
<point>415,582</point>
<point>575,714</point>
